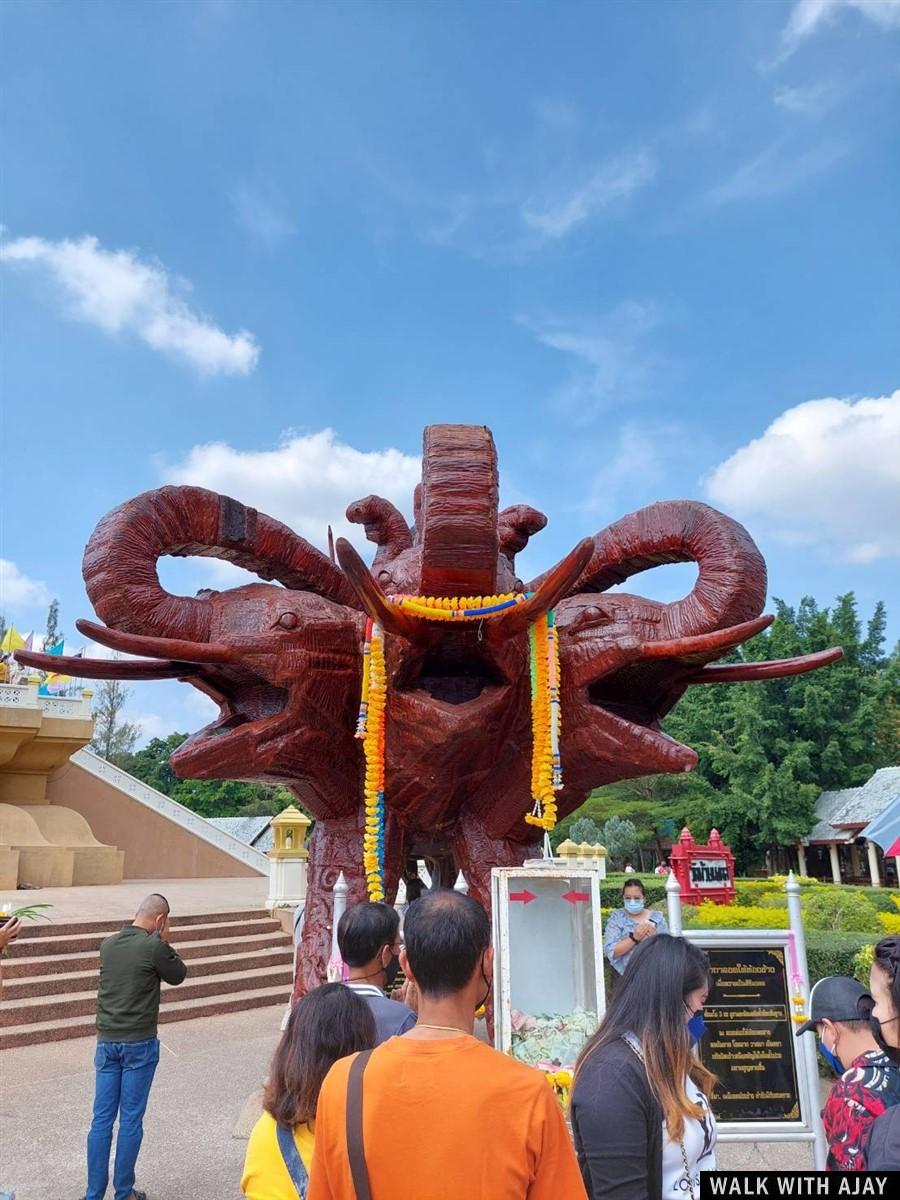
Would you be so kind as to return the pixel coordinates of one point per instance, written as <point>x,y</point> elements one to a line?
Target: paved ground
<point>185,896</point>
<point>204,1102</point>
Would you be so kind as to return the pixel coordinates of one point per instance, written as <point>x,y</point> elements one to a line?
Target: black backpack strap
<point>355,1146</point>
<point>292,1160</point>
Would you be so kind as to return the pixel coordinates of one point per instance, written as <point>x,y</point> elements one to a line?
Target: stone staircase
<point>235,961</point>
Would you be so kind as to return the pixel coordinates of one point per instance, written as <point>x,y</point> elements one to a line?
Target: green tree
<point>151,764</point>
<point>52,634</point>
<point>114,737</point>
<point>620,839</point>
<point>585,830</point>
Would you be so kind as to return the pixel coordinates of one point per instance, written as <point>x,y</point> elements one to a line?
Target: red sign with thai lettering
<point>703,872</point>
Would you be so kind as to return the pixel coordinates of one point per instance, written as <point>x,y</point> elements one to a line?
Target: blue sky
<point>258,246</point>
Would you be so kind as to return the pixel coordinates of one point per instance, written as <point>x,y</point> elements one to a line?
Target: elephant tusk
<point>372,598</point>
<point>776,668</point>
<point>556,584</point>
<point>715,643</point>
<point>107,668</point>
<point>173,648</point>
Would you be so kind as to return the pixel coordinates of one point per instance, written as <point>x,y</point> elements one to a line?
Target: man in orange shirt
<point>443,1116</point>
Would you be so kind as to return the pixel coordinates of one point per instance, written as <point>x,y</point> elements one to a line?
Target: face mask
<point>634,906</point>
<point>391,971</point>
<point>831,1058</point>
<point>893,1052</point>
<point>696,1027</point>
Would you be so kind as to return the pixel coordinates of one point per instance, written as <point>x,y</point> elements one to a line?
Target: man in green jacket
<point>132,963</point>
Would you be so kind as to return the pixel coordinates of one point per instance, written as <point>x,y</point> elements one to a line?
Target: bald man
<point>132,964</point>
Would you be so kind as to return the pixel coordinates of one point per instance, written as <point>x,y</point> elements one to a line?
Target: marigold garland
<point>370,727</point>
<point>546,714</point>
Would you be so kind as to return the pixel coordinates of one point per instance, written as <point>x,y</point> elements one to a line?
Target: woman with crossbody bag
<point>641,1116</point>
<point>326,1024</point>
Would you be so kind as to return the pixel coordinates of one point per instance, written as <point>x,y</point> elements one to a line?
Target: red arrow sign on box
<point>526,897</point>
<point>574,897</point>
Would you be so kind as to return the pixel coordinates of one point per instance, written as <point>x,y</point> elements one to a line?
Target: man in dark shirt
<point>132,964</point>
<point>369,942</point>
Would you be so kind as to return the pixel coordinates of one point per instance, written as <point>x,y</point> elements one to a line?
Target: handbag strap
<point>292,1160</point>
<point>355,1145</point>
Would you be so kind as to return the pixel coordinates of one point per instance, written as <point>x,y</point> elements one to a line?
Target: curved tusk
<point>717,642</point>
<point>557,584</point>
<point>106,668</point>
<point>173,648</point>
<point>775,668</point>
<point>372,598</point>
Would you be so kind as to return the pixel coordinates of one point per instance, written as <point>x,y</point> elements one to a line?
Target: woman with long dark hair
<point>326,1024</point>
<point>883,1150</point>
<point>640,1110</point>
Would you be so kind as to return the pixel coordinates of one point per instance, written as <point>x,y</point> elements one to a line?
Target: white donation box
<point>548,961</point>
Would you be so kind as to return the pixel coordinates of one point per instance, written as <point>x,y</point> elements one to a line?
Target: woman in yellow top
<point>326,1024</point>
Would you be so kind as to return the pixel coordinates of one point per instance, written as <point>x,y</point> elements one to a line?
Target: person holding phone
<point>630,925</point>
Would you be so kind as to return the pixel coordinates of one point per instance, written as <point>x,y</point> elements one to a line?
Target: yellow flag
<point>12,640</point>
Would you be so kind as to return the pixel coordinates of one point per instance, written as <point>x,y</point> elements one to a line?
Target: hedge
<point>833,953</point>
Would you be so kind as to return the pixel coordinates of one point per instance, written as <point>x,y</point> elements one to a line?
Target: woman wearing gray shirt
<point>630,925</point>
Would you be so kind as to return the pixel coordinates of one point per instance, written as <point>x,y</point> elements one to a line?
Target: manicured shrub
<point>734,916</point>
<point>831,953</point>
<point>611,891</point>
<point>889,922</point>
<point>862,964</point>
<point>841,910</point>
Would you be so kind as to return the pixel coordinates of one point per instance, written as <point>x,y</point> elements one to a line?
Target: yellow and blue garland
<point>546,715</point>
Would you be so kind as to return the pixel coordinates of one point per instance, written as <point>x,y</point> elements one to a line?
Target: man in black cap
<point>868,1080</point>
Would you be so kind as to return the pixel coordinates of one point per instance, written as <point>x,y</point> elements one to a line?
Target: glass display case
<point>548,961</point>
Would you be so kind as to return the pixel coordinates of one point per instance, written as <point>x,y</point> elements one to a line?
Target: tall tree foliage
<point>766,750</point>
<point>114,737</point>
<point>52,634</point>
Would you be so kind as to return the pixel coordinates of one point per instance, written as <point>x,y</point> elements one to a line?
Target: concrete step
<point>19,966</point>
<point>88,978</point>
<point>81,1026</point>
<point>59,943</point>
<point>40,929</point>
<point>33,1009</point>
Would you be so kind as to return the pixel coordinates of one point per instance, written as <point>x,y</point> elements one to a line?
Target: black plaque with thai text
<point>749,1040</point>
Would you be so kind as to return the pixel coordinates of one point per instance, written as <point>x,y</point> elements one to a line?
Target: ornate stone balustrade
<point>25,695</point>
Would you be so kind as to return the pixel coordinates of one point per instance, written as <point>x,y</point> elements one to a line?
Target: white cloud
<point>608,361</point>
<point>554,211</point>
<point>825,475</point>
<point>307,482</point>
<point>778,168</point>
<point>18,591</point>
<point>117,291</point>
<point>809,101</point>
<point>809,16</point>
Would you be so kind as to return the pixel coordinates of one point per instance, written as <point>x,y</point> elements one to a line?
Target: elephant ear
<point>120,560</point>
<point>731,584</point>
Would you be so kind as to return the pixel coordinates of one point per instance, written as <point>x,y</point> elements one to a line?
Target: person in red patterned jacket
<point>868,1080</point>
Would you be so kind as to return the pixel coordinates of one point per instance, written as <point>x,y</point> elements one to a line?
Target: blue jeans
<point>125,1072</point>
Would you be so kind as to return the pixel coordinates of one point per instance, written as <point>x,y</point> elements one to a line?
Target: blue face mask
<point>696,1027</point>
<point>831,1058</point>
<point>634,906</point>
